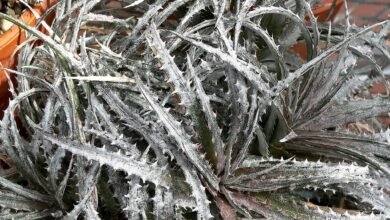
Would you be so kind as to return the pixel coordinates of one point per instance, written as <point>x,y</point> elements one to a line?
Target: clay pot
<point>323,13</point>
<point>10,39</point>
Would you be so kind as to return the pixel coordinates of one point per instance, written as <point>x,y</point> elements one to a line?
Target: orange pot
<point>11,39</point>
<point>323,13</point>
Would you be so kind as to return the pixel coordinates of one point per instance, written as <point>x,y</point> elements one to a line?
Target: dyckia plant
<point>200,109</point>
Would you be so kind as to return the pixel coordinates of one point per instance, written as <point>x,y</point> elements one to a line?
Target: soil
<point>13,8</point>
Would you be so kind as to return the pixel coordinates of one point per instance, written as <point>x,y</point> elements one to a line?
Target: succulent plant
<point>195,109</point>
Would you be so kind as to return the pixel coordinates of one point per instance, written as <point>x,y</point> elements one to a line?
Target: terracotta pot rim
<point>14,32</point>
<point>10,40</point>
<point>324,9</point>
